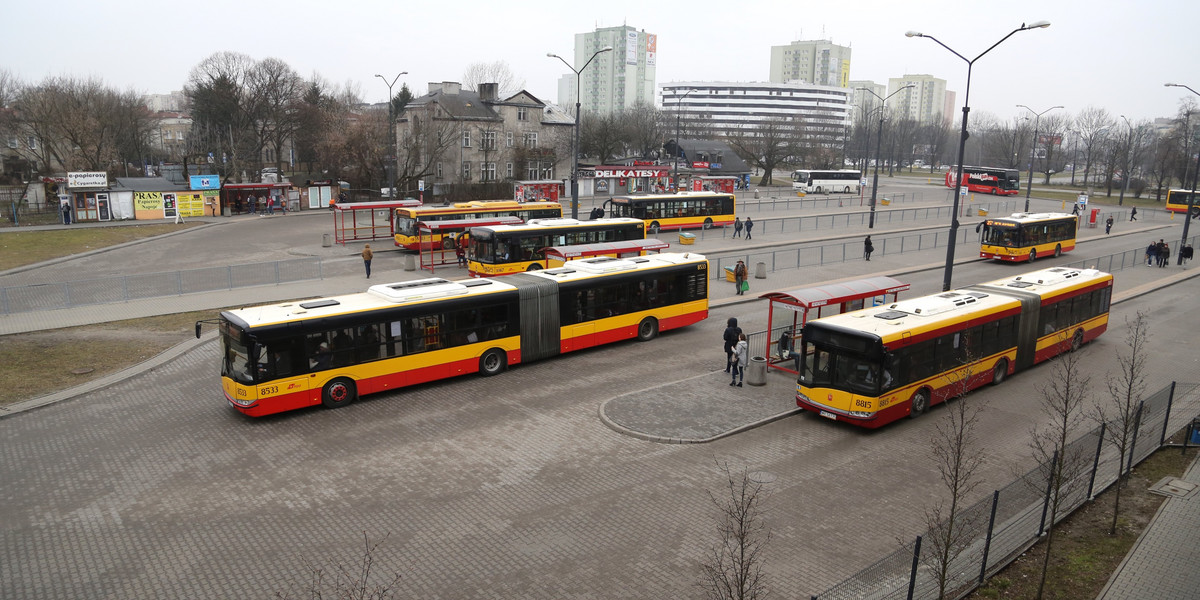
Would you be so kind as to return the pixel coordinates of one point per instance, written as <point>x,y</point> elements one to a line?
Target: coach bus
<point>1177,201</point>
<point>504,249</point>
<point>1027,237</point>
<point>877,365</point>
<point>409,237</point>
<point>825,182</point>
<point>685,210</point>
<point>987,180</point>
<point>333,350</point>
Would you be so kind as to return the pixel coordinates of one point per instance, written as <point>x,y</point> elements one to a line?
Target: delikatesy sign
<point>205,182</point>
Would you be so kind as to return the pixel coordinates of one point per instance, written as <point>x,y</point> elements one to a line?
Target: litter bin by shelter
<point>687,239</point>
<point>410,262</point>
<point>756,194</point>
<point>756,373</point>
<point>760,270</point>
<point>326,240</point>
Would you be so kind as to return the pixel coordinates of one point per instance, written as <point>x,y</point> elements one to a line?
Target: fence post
<point>125,287</point>
<point>987,542</point>
<point>912,577</point>
<point>1137,424</point>
<point>276,272</point>
<point>1049,486</point>
<point>1096,462</point>
<point>1162,438</point>
<point>229,275</point>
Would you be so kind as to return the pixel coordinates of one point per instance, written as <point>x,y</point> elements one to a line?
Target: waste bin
<point>756,373</point>
<point>410,262</point>
<point>729,275</point>
<point>687,239</point>
<point>756,194</point>
<point>760,270</point>
<point>326,240</point>
<point>983,212</point>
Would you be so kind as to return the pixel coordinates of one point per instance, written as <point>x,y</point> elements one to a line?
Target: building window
<point>522,113</point>
<point>508,140</point>
<point>31,142</point>
<point>547,170</point>
<point>466,170</point>
<point>531,172</point>
<point>508,170</point>
<point>12,142</point>
<point>466,139</point>
<point>439,170</point>
<point>489,140</point>
<point>487,171</point>
<point>531,139</point>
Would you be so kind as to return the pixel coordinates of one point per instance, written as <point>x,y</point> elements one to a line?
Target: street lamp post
<point>962,142</point>
<point>1128,164</point>
<point>1187,218</point>
<point>391,164</point>
<point>878,148</point>
<point>1074,153</point>
<point>678,108</point>
<point>1033,147</point>
<point>575,145</point>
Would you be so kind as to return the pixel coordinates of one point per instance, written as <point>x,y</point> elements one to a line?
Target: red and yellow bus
<point>504,249</point>
<point>877,365</point>
<point>333,350</point>
<point>685,210</point>
<point>1177,201</point>
<point>409,237</point>
<point>987,180</point>
<point>1027,237</point>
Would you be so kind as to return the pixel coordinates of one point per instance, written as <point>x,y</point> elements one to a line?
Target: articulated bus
<point>987,180</point>
<point>1177,201</point>
<point>1027,237</point>
<point>826,182</point>
<point>877,365</point>
<point>408,237</point>
<point>504,249</point>
<point>333,350</point>
<point>685,210</point>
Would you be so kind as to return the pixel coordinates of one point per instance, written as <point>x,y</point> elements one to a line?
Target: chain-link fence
<point>998,529</point>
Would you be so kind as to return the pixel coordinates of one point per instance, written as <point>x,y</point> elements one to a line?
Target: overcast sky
<point>1104,53</point>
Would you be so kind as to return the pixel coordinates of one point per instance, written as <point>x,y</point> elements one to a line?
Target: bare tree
<point>1050,130</point>
<point>734,568</point>
<point>496,72</point>
<point>603,136</point>
<point>769,143</point>
<point>279,90</point>
<point>644,129</point>
<point>218,91</point>
<point>1093,125</point>
<point>1119,412</point>
<point>1060,463</point>
<point>349,581</point>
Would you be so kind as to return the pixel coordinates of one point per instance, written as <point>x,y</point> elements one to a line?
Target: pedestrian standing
<point>1151,254</point>
<point>749,226</point>
<point>739,277</point>
<point>1133,214</point>
<point>66,211</point>
<point>253,204</point>
<point>1108,225</point>
<point>737,227</point>
<point>367,256</point>
<point>732,331</point>
<point>1158,252</point>
<point>868,247</point>
<point>270,200</point>
<point>740,352</point>
<point>460,249</point>
<point>1164,257</point>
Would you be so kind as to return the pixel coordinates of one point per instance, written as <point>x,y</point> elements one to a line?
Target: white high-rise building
<point>926,102</point>
<point>720,108</point>
<point>819,62</point>
<point>615,80</point>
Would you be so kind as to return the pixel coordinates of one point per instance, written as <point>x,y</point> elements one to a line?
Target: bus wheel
<point>654,227</point>
<point>846,190</point>
<point>492,362</point>
<point>708,223</point>
<point>534,267</point>
<point>647,329</point>
<point>1196,212</point>
<point>1077,340</point>
<point>447,243</point>
<point>338,393</point>
<point>1000,371</point>
<point>818,190</point>
<point>1032,255</point>
<point>920,403</point>
<point>1057,250</point>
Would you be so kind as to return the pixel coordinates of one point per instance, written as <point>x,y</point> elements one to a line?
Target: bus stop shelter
<point>366,221</point>
<point>436,238</point>
<point>557,255</point>
<point>795,305</point>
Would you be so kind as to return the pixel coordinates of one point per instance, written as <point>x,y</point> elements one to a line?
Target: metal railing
<point>1014,517</point>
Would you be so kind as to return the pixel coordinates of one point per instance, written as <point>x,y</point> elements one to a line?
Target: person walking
<point>749,226</point>
<point>732,331</point>
<point>740,352</point>
<point>868,248</point>
<point>1133,214</point>
<point>367,256</point>
<point>1108,225</point>
<point>737,227</point>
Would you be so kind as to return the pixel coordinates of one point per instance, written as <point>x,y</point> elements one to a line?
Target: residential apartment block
<point>615,80</point>
<point>818,62</point>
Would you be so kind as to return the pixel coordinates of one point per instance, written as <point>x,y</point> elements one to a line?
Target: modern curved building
<point>719,108</point>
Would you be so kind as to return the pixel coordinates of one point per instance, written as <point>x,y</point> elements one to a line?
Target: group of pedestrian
<point>1159,252</point>
<point>739,225</point>
<point>736,352</point>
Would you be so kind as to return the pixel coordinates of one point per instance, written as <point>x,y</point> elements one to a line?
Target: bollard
<point>326,240</point>
<point>410,262</point>
<point>760,270</point>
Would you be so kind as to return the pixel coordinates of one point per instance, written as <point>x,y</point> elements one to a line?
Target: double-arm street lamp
<point>878,147</point>
<point>678,108</point>
<point>1187,218</point>
<point>391,163</point>
<point>575,146</point>
<point>1128,163</point>
<point>962,142</point>
<point>1033,147</point>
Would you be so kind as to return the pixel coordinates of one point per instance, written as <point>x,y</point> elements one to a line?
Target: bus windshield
<point>237,361</point>
<point>406,225</point>
<point>482,245</point>
<point>839,360</point>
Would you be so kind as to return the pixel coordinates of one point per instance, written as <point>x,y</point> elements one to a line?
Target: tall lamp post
<point>878,147</point>
<point>575,146</point>
<point>1033,147</point>
<point>678,108</point>
<point>1128,164</point>
<point>962,142</point>
<point>1187,219</point>
<point>391,164</point>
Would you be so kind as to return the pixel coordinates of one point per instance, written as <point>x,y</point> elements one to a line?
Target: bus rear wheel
<point>338,393</point>
<point>819,190</point>
<point>1032,255</point>
<point>534,267</point>
<point>708,223</point>
<point>1000,371</point>
<point>492,362</point>
<point>846,190</point>
<point>920,403</point>
<point>1077,340</point>
<point>654,227</point>
<point>447,243</point>
<point>647,329</point>
<point>1057,250</point>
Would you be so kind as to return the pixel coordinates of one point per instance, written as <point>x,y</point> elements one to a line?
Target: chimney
<point>487,92</point>
<point>450,88</point>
